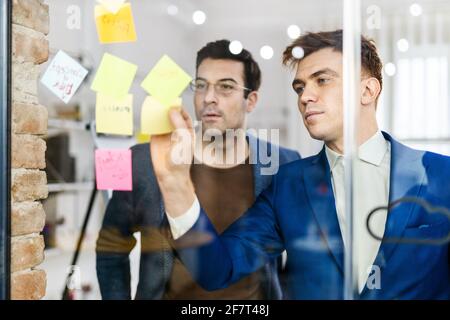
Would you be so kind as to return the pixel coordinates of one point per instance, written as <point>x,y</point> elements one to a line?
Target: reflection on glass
<point>280,235</point>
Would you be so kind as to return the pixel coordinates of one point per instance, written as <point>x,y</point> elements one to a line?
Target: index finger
<point>177,118</point>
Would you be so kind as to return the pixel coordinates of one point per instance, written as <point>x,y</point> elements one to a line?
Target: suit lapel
<point>256,147</point>
<point>260,182</point>
<point>407,175</point>
<point>317,181</point>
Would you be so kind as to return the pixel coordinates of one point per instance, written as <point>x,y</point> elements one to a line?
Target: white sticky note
<point>64,76</point>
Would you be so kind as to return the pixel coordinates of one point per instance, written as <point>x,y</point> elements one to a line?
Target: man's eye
<point>226,86</point>
<point>322,80</point>
<point>200,86</point>
<point>299,90</point>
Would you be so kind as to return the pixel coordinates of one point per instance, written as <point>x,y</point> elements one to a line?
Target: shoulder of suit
<point>296,167</point>
<point>428,158</point>
<point>436,160</point>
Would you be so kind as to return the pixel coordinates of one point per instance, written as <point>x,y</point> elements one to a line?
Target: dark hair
<point>220,49</point>
<point>312,42</point>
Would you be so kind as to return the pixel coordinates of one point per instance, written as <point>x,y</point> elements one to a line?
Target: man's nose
<point>210,94</point>
<point>309,95</point>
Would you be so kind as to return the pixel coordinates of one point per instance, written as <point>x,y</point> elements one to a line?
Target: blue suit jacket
<point>297,213</point>
<point>142,210</point>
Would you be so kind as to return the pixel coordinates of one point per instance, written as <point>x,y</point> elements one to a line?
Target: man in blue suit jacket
<point>405,255</point>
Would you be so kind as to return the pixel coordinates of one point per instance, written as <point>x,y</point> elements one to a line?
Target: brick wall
<point>29,122</point>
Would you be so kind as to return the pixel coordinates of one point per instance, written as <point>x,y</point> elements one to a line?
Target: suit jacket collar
<point>372,151</point>
<point>407,175</point>
<point>257,146</point>
<point>317,181</point>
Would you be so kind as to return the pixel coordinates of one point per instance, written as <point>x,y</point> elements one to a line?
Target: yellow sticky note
<point>114,76</point>
<point>142,138</point>
<point>114,116</point>
<point>112,6</point>
<point>166,81</point>
<point>112,28</point>
<point>155,116</point>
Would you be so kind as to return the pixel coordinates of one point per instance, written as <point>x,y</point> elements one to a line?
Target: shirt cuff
<point>180,225</point>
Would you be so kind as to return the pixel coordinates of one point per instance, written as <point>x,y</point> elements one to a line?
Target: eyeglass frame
<point>192,86</point>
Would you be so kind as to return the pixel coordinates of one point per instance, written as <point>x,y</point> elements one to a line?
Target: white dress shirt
<point>371,189</point>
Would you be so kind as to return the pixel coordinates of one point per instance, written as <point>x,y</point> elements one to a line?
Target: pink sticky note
<point>113,169</point>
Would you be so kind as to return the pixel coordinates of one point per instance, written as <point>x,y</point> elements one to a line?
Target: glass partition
<point>306,120</point>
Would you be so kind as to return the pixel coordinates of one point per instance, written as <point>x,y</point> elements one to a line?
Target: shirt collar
<point>374,149</point>
<point>371,151</point>
<point>332,157</point>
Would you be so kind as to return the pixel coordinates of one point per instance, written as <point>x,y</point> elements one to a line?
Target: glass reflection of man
<point>228,176</point>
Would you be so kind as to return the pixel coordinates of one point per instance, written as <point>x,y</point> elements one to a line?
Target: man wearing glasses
<point>228,176</point>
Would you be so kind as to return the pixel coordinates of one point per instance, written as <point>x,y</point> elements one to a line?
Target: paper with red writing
<point>63,76</point>
<point>113,169</point>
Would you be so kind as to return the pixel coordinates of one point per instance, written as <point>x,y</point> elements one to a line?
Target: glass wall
<point>341,204</point>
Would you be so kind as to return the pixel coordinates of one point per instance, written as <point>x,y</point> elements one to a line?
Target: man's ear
<point>252,99</point>
<point>370,90</point>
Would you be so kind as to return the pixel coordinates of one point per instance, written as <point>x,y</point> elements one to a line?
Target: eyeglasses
<point>224,87</point>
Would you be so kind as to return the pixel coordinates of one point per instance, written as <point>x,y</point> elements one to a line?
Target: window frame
<point>5,145</point>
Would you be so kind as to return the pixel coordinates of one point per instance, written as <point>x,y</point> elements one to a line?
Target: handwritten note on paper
<point>155,116</point>
<point>112,28</point>
<point>114,116</point>
<point>63,76</point>
<point>114,76</point>
<point>113,170</point>
<point>166,81</point>
<point>112,6</point>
